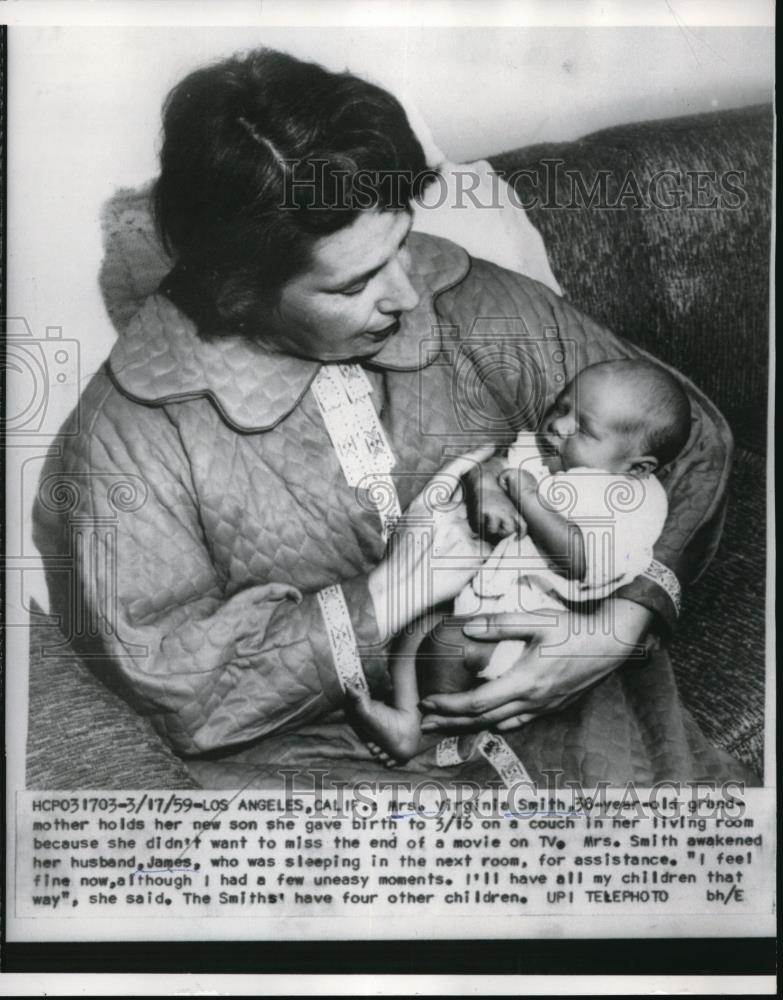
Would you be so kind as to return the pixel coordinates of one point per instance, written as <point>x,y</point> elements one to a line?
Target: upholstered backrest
<point>676,262</point>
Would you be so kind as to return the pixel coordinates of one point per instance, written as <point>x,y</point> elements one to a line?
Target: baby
<point>575,510</point>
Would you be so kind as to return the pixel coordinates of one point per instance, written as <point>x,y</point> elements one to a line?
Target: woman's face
<point>349,302</point>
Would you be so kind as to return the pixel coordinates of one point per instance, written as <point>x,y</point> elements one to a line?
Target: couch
<point>678,263</point>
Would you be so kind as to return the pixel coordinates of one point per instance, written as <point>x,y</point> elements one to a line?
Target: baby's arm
<point>491,513</point>
<point>557,538</point>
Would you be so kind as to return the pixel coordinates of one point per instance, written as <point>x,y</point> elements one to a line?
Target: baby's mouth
<point>547,446</point>
<point>550,453</point>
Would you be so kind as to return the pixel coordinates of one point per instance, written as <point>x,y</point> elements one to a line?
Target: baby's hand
<point>500,517</point>
<point>517,482</point>
<point>491,514</point>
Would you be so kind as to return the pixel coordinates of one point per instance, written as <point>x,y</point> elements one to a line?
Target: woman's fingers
<point>445,483</point>
<point>525,625</point>
<point>479,702</point>
<point>493,717</point>
<point>432,552</point>
<point>516,722</point>
<point>434,722</point>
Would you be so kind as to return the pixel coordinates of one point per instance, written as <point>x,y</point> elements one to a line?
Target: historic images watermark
<point>317,185</point>
<point>42,375</point>
<point>555,799</point>
<point>37,368</point>
<point>552,185</point>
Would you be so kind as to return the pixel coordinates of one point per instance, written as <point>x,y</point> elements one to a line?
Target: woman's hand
<point>564,657</point>
<point>432,551</point>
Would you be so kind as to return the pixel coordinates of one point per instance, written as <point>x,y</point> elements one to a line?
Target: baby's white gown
<point>620,518</point>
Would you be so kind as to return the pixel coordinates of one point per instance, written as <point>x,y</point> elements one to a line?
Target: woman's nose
<point>399,294</point>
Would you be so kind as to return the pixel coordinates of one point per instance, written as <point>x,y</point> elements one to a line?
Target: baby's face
<point>583,427</point>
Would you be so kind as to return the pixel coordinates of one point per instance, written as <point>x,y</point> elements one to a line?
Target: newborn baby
<point>576,511</point>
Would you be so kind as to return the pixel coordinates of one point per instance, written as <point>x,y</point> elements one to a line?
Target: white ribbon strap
<point>357,435</point>
<point>342,638</point>
<point>447,753</point>
<point>666,579</point>
<point>503,759</point>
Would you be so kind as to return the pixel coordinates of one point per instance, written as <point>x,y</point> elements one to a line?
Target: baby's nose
<point>563,426</point>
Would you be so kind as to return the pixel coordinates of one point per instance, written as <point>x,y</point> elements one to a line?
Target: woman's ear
<point>643,465</point>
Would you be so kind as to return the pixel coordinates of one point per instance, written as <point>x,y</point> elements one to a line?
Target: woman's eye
<point>353,291</point>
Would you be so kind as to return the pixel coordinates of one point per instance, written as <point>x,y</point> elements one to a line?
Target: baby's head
<point>622,416</point>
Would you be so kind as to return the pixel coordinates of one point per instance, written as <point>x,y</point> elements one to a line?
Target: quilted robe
<point>200,507</point>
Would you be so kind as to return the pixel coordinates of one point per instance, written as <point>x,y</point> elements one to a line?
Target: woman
<point>297,383</point>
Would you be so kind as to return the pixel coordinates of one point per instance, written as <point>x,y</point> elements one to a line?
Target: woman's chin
<point>368,350</point>
<point>353,353</point>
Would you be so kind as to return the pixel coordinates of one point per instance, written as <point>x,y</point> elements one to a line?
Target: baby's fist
<point>517,482</point>
<point>500,517</point>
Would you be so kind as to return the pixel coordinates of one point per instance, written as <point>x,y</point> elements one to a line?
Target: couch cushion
<point>718,649</point>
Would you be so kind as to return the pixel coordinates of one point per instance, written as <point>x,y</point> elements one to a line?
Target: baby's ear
<point>643,465</point>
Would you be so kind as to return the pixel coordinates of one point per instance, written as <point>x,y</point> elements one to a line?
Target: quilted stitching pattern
<point>217,634</point>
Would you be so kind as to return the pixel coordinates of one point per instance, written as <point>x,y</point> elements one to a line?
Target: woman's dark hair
<point>262,154</point>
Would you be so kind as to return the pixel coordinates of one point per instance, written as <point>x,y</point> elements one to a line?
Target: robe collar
<point>161,359</point>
